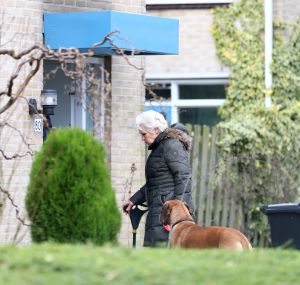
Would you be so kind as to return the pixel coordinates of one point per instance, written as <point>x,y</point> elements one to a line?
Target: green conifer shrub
<point>70,198</point>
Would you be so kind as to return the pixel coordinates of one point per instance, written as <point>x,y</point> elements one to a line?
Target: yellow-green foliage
<point>70,197</point>
<point>264,144</point>
<point>238,32</point>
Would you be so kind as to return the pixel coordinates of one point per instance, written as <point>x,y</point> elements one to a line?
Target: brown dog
<point>186,234</point>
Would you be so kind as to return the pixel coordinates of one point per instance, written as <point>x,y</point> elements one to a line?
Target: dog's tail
<point>246,244</point>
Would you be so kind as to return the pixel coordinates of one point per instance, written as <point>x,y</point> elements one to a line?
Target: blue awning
<point>142,34</point>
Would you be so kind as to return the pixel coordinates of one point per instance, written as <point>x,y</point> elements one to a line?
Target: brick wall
<point>127,101</point>
<point>286,10</point>
<point>75,5</point>
<point>127,147</point>
<point>197,53</point>
<point>20,28</point>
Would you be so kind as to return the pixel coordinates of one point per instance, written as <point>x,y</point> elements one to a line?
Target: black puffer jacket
<point>168,176</point>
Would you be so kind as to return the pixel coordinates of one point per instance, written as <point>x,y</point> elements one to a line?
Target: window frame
<point>175,103</point>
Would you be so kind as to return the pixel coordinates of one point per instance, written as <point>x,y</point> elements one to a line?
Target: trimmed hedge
<point>70,197</point>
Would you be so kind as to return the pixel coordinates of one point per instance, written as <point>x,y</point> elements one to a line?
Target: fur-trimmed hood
<point>180,135</point>
<point>174,133</point>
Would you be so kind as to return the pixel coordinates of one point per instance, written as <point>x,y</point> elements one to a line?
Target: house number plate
<point>37,125</point>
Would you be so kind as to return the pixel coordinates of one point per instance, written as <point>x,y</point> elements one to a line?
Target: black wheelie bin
<point>284,221</point>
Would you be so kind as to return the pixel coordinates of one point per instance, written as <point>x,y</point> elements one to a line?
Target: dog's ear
<point>188,207</point>
<point>165,214</point>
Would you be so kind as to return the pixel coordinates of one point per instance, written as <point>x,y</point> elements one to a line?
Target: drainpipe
<point>268,51</point>
<point>174,101</point>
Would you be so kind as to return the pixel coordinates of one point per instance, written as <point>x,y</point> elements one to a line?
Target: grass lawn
<point>78,264</point>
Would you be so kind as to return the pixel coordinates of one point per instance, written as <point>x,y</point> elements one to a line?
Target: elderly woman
<point>168,174</point>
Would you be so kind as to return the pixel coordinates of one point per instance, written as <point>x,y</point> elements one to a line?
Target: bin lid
<point>281,208</point>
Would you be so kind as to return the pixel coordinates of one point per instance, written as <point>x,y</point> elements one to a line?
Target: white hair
<point>151,120</point>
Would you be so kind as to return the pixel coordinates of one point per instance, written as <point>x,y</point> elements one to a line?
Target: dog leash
<point>188,179</point>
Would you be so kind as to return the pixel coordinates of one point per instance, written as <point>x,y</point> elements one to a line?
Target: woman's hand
<point>127,206</point>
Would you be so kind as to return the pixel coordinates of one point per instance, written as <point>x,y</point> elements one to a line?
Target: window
<point>161,91</point>
<point>206,114</point>
<point>158,98</point>
<point>188,101</point>
<point>205,91</point>
<point>200,116</point>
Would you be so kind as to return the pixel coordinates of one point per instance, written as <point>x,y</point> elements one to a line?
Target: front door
<point>78,105</point>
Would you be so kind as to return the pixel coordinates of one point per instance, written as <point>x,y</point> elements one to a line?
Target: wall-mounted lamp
<point>48,101</point>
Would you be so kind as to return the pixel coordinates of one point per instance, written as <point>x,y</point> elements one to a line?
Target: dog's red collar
<point>168,228</point>
<point>188,219</point>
